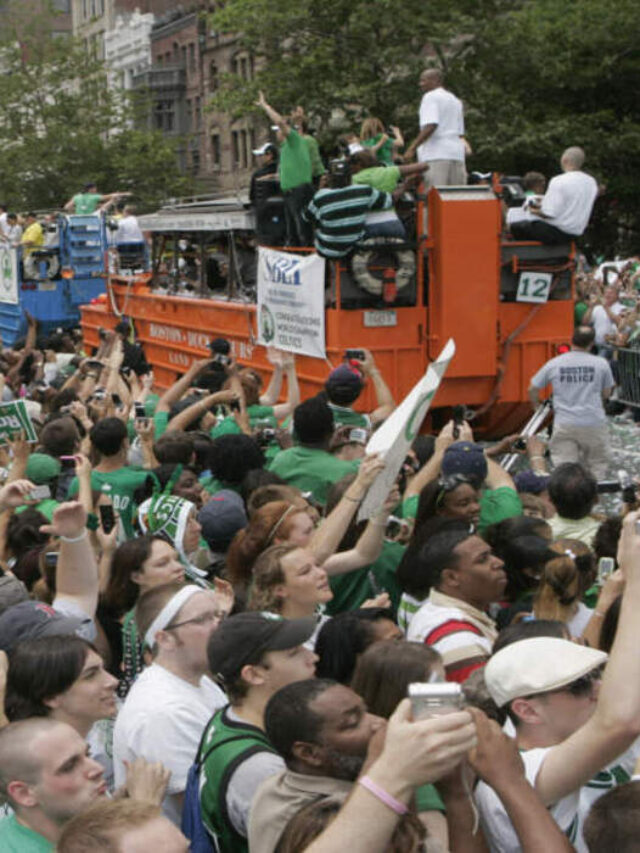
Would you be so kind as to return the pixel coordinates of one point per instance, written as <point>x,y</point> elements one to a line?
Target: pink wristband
<point>382,795</point>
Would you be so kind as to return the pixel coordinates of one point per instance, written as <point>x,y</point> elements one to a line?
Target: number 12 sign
<point>534,286</point>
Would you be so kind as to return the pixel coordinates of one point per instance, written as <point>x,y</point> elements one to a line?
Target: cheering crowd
<point>204,647</point>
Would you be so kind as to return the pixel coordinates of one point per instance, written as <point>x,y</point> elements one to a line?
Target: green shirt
<point>383,178</point>
<point>317,166</point>
<point>579,311</point>
<point>16,838</point>
<point>124,482</point>
<point>46,507</point>
<point>350,590</point>
<point>385,152</point>
<point>311,470</point>
<point>498,504</point>
<point>409,507</point>
<point>86,202</point>
<point>345,416</point>
<point>260,417</point>
<point>295,162</point>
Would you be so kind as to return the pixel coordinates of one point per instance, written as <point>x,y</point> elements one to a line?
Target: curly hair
<point>267,574</point>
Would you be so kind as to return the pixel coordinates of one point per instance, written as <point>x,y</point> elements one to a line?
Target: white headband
<point>169,611</point>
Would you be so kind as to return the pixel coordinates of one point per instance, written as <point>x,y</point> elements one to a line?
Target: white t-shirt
<point>442,108</point>
<point>162,719</point>
<point>568,201</point>
<point>129,230</point>
<point>4,228</point>
<point>569,812</point>
<point>579,620</point>
<point>578,380</point>
<point>602,325</point>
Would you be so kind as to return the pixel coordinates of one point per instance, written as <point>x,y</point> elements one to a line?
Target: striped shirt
<point>463,635</point>
<point>338,216</point>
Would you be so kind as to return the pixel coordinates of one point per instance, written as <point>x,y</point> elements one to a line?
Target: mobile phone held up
<point>430,700</point>
<point>107,517</point>
<point>355,354</point>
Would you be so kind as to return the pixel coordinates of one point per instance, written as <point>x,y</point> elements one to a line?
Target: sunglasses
<point>581,686</point>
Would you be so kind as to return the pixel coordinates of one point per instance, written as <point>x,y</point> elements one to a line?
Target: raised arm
<point>77,571</point>
<point>283,410</point>
<point>274,116</point>
<point>615,723</point>
<point>175,392</point>
<point>331,529</point>
<point>431,469</point>
<point>384,397</point>
<point>182,420</point>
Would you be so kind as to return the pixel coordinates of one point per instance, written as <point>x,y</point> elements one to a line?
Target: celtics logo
<point>267,324</point>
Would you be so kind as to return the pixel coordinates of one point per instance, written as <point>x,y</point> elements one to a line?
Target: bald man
<point>440,142</point>
<point>47,778</point>
<point>566,207</point>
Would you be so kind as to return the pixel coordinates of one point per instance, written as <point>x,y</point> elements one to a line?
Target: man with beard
<point>322,730</point>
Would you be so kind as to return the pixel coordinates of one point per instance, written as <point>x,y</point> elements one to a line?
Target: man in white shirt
<point>128,228</point>
<point>581,382</point>
<point>170,703</point>
<point>440,142</point>
<point>573,725</point>
<point>604,316</point>
<point>566,207</point>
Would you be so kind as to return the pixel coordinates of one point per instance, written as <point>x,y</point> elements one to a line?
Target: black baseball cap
<point>245,637</point>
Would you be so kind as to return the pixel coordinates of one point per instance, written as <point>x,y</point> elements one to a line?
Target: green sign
<point>14,418</point>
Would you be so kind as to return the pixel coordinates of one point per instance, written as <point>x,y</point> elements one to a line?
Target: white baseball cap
<point>538,665</point>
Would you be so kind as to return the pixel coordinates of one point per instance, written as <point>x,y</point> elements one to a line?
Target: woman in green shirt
<point>373,136</point>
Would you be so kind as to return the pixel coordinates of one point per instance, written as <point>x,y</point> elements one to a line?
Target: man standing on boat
<point>295,176</point>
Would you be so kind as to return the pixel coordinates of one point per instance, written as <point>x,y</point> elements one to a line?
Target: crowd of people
<point>204,647</point>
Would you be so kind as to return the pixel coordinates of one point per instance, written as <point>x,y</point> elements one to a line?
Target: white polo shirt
<point>442,108</point>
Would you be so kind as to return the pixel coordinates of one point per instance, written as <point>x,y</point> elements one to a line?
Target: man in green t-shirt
<point>112,474</point>
<point>88,200</point>
<point>47,778</point>
<point>295,176</point>
<point>308,465</point>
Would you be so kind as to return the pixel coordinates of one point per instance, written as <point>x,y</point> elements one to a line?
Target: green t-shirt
<point>46,507</point>
<point>260,417</point>
<point>579,311</point>
<point>383,178</point>
<point>428,799</point>
<point>498,504</point>
<point>295,162</point>
<point>311,470</point>
<point>351,589</point>
<point>317,166</point>
<point>409,507</point>
<point>86,202</point>
<point>124,482</point>
<point>385,152</point>
<point>344,416</point>
<point>16,838</point>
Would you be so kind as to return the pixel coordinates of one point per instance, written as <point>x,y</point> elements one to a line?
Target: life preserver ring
<point>31,265</point>
<point>405,263</point>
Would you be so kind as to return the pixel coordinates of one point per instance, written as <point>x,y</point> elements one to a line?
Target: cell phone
<point>99,394</point>
<point>94,364</point>
<point>102,334</point>
<point>51,559</point>
<point>107,517</point>
<point>394,527</point>
<point>355,354</point>
<point>606,565</point>
<point>458,418</point>
<point>234,405</point>
<point>358,435</point>
<point>67,461</point>
<point>40,493</point>
<point>431,700</point>
<point>520,443</point>
<point>140,410</point>
<point>117,399</point>
<point>220,358</point>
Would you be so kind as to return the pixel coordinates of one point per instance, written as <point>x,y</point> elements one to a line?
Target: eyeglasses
<point>203,619</point>
<point>581,686</point>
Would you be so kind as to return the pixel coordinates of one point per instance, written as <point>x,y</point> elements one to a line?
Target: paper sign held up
<point>394,438</point>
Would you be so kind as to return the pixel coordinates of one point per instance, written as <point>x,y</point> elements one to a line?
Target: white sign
<point>396,435</point>
<point>534,286</point>
<point>8,275</point>
<point>291,302</point>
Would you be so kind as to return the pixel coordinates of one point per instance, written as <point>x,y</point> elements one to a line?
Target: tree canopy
<point>535,75</point>
<point>62,125</point>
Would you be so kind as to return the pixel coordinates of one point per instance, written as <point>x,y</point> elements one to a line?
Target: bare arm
<point>272,391</point>
<point>283,410</point>
<point>615,722</point>
<point>175,392</point>
<point>431,469</point>
<point>329,533</point>
<point>534,396</point>
<point>183,419</point>
<point>498,477</point>
<point>384,397</point>
<point>424,134</point>
<point>612,588</point>
<point>274,116</point>
<point>77,571</point>
<point>410,169</point>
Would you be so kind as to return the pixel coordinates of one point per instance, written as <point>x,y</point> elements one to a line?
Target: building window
<point>213,77</point>
<point>242,65</point>
<point>198,113</point>
<point>164,116</point>
<point>189,114</point>
<point>195,160</point>
<point>235,149</point>
<point>215,150</point>
<point>183,55</point>
<point>192,57</point>
<point>243,149</point>
<point>85,9</point>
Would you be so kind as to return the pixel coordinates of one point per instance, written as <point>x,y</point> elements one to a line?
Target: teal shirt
<point>86,203</point>
<point>498,504</point>
<point>16,838</point>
